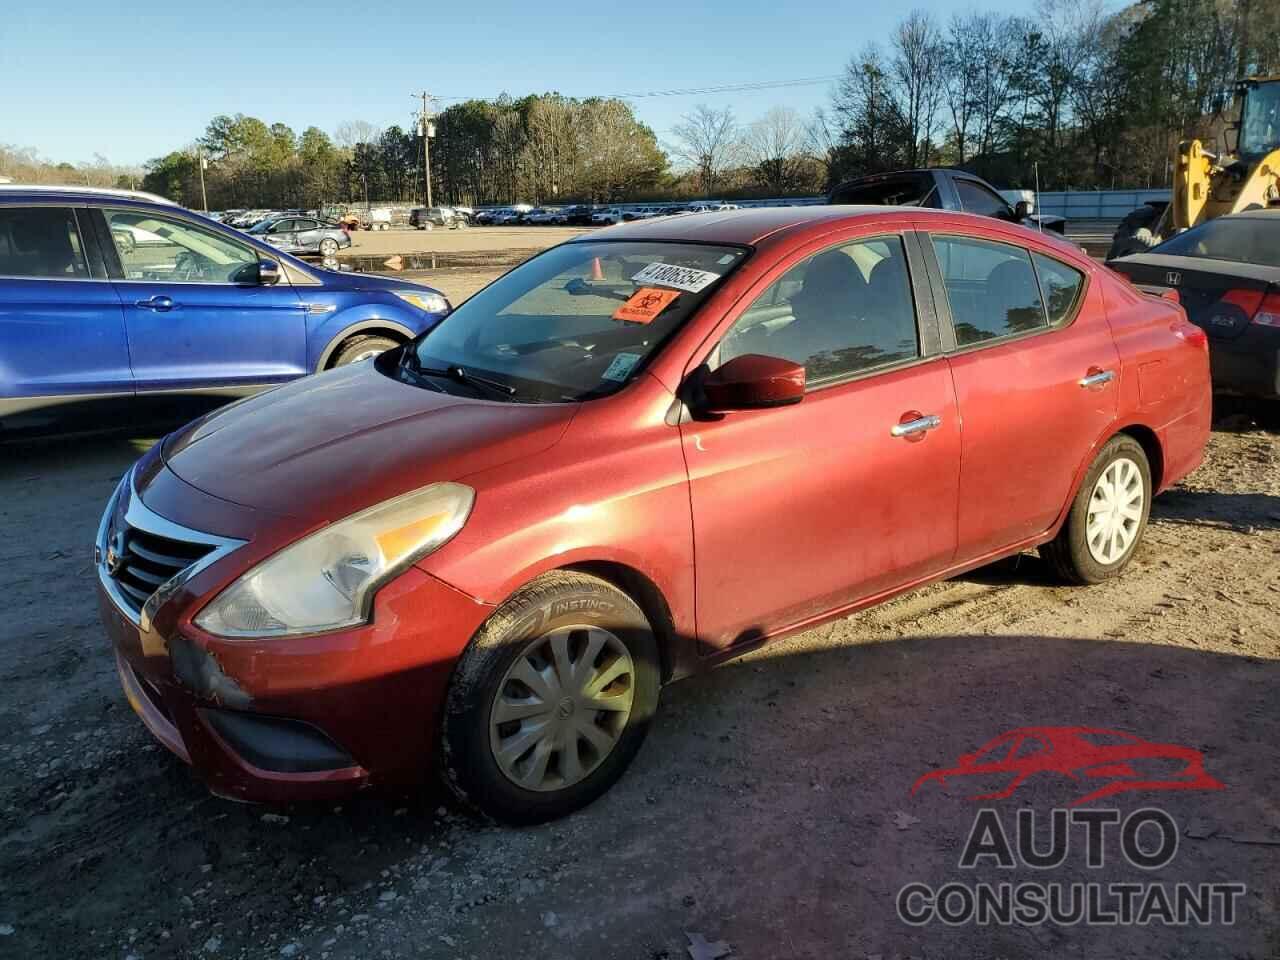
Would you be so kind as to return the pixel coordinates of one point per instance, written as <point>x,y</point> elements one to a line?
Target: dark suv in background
<point>119,296</point>
<point>940,189</point>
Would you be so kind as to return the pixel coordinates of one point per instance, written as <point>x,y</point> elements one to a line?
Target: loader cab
<point>1259,126</point>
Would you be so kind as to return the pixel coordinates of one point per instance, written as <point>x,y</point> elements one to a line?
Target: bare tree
<point>709,140</point>
<point>775,146</point>
<point>993,38</point>
<point>962,63</point>
<point>916,67</point>
<point>351,132</point>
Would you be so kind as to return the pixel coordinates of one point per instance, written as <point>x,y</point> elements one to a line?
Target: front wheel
<point>551,700</point>
<point>1108,516</point>
<point>362,348</point>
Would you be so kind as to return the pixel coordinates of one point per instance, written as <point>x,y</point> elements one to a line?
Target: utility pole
<point>427,129</point>
<point>202,163</point>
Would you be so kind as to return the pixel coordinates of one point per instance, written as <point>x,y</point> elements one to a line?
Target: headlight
<point>427,302</point>
<point>327,580</point>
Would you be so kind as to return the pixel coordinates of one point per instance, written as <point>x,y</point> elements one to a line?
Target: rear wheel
<point>551,700</point>
<point>328,246</point>
<point>1108,516</point>
<point>362,348</point>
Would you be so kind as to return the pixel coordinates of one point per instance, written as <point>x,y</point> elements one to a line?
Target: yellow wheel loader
<point>1206,185</point>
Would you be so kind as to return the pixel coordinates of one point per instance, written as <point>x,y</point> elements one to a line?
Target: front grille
<point>147,561</point>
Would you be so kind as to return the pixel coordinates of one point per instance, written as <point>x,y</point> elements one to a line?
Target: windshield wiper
<point>458,374</point>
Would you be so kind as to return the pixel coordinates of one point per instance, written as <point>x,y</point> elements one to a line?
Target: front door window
<point>157,248</point>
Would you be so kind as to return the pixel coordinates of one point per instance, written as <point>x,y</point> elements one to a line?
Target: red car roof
<point>736,226</point>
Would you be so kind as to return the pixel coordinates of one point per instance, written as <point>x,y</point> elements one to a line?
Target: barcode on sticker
<point>672,275</point>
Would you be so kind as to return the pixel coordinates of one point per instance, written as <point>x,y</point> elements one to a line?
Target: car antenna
<point>1039,217</point>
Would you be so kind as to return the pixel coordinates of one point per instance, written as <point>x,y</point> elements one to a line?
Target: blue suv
<point>119,295</point>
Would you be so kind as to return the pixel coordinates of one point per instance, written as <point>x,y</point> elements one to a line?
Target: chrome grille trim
<point>125,506</point>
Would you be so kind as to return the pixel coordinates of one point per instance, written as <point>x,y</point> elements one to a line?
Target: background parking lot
<point>769,809</point>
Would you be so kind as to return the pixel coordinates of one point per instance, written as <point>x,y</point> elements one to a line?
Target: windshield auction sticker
<point>621,367</point>
<point>645,305</point>
<point>672,275</point>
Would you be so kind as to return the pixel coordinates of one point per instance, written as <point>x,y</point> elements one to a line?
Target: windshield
<point>1260,121</point>
<point>1243,239</point>
<point>263,227</point>
<point>577,322</point>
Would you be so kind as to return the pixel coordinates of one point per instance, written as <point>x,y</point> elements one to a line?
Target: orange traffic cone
<point>596,272</point>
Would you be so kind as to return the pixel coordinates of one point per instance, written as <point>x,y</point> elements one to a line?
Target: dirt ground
<point>769,809</point>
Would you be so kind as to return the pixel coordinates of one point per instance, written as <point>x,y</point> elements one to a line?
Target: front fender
<point>325,331</point>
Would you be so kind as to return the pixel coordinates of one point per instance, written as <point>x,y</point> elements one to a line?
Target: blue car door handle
<point>160,304</point>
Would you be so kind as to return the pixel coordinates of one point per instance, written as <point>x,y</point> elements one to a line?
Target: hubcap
<point>1115,511</point>
<point>364,355</point>
<point>561,707</point>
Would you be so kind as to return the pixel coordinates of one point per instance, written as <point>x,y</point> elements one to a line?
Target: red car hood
<point>326,446</point>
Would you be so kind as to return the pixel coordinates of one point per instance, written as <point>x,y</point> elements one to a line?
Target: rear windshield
<point>915,191</point>
<point>1243,239</point>
<point>577,322</point>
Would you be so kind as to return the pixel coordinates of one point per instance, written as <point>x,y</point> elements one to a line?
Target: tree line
<point>1072,96</point>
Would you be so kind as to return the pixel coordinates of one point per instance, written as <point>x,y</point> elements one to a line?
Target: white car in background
<point>609,215</point>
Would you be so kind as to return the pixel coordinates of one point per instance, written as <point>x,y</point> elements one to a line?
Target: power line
<point>699,91</point>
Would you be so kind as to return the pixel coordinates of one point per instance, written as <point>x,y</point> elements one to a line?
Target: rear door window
<point>991,288</point>
<point>41,243</point>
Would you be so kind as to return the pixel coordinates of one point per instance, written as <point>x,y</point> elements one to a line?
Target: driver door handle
<point>160,304</point>
<point>1096,377</point>
<point>915,427</point>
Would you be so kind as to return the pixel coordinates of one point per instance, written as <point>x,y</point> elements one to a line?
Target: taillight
<point>1247,300</point>
<point>1268,314</point>
<point>1192,334</point>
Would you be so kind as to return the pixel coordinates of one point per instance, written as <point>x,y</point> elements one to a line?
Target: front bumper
<point>297,718</point>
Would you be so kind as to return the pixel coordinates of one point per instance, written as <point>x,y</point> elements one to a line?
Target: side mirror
<point>753,381</point>
<point>268,273</point>
<point>1022,210</point>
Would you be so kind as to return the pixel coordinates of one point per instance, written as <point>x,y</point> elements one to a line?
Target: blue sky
<point>85,77</point>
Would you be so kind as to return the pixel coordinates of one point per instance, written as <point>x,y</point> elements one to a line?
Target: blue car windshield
<point>576,322</point>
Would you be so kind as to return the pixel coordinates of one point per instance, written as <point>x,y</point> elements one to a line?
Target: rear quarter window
<point>1061,287</point>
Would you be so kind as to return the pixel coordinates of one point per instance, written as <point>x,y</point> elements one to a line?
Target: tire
<point>1071,554</point>
<point>583,613</point>
<point>1267,414</point>
<point>362,348</point>
<point>328,247</point>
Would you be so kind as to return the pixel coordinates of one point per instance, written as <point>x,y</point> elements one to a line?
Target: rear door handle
<point>156,303</point>
<point>1096,378</point>
<point>911,428</point>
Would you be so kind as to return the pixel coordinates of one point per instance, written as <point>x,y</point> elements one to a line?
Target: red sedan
<point>636,455</point>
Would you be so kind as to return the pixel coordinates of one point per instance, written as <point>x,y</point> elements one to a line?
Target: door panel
<point>800,510</point>
<point>61,330</point>
<point>189,324</point>
<point>803,509</point>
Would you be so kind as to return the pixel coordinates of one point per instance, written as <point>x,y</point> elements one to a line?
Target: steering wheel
<point>188,266</point>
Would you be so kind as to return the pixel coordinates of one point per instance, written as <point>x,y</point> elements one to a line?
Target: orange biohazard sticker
<point>645,304</point>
